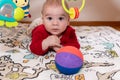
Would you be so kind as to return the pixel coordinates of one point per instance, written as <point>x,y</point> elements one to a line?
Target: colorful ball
<point>69,60</point>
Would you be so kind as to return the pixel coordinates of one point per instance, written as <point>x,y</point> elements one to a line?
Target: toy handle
<point>73,11</point>
<point>82,6</point>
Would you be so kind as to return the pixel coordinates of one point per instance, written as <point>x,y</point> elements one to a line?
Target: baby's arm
<point>34,24</point>
<point>72,40</point>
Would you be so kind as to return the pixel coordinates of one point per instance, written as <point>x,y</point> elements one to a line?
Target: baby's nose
<point>55,22</point>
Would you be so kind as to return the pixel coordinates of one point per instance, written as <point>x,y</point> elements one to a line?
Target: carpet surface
<point>100,47</point>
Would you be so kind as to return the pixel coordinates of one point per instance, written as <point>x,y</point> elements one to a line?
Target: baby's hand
<point>51,41</point>
<point>56,48</point>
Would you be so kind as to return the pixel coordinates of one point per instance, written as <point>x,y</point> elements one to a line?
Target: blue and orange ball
<point>69,60</point>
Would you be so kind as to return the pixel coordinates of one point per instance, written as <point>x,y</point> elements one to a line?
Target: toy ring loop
<point>80,9</point>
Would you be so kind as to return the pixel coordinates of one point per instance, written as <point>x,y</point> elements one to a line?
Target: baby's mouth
<point>55,30</point>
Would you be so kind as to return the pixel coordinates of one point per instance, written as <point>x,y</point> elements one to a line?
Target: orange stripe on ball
<point>72,50</point>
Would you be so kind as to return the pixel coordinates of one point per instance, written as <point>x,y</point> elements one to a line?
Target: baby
<point>55,31</point>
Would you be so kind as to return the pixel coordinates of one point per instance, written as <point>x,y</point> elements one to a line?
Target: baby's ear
<point>68,20</point>
<point>34,24</point>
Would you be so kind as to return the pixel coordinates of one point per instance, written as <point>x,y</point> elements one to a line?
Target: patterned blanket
<point>99,45</point>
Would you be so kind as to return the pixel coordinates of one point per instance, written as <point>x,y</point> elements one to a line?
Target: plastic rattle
<point>10,13</point>
<point>73,12</point>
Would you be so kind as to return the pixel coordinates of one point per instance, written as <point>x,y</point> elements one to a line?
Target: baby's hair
<point>53,3</point>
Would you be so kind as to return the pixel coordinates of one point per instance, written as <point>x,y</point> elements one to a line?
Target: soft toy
<point>24,4</point>
<point>69,60</point>
<point>10,13</point>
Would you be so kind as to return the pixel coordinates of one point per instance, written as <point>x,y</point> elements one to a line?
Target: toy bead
<point>72,13</point>
<point>76,13</point>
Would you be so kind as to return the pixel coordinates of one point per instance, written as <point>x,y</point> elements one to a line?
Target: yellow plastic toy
<point>73,12</point>
<point>10,13</point>
<point>24,4</point>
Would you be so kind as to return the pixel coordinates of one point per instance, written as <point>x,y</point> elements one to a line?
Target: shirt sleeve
<point>36,43</point>
<point>70,38</point>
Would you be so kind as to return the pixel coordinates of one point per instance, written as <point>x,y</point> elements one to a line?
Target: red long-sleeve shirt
<point>39,34</point>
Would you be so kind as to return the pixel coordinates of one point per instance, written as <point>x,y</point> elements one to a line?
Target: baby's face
<point>55,20</point>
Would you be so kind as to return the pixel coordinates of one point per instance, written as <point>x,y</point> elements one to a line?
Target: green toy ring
<point>71,12</point>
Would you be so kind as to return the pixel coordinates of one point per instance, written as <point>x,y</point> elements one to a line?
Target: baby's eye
<point>61,18</point>
<point>49,18</point>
